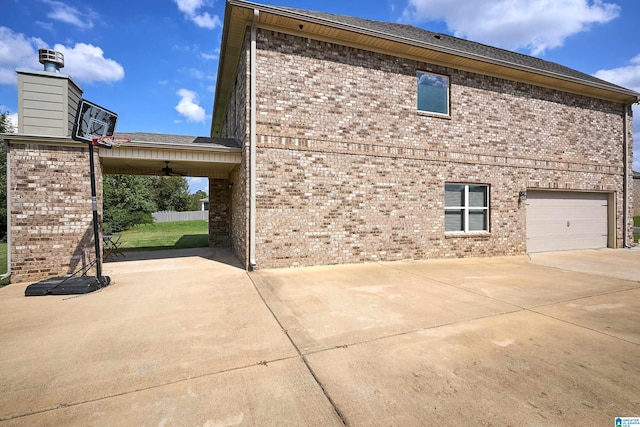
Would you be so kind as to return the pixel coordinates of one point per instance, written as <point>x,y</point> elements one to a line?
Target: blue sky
<point>154,62</point>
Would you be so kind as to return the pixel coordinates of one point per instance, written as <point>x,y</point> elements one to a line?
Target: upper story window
<point>433,93</point>
<point>466,208</point>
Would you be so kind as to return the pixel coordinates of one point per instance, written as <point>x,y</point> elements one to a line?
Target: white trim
<point>252,143</point>
<point>625,177</point>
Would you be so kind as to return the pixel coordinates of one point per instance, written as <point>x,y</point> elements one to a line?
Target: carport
<point>212,158</point>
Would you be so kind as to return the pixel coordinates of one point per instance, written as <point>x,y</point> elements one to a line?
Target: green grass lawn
<point>636,223</point>
<point>166,235</point>
<point>3,263</point>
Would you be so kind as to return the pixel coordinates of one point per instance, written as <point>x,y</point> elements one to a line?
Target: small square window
<point>466,208</point>
<point>433,93</point>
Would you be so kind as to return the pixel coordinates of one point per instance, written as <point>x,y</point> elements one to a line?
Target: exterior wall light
<point>522,196</point>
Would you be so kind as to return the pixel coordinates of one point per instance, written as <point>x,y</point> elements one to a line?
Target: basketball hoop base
<point>67,286</point>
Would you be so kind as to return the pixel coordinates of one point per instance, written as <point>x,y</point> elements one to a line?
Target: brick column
<point>219,212</point>
<point>51,218</point>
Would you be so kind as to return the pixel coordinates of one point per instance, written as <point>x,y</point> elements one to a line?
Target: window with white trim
<point>466,208</point>
<point>433,93</point>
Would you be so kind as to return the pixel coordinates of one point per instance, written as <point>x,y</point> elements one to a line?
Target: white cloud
<point>204,20</point>
<point>627,76</point>
<point>189,107</point>
<point>189,7</point>
<point>86,63</point>
<point>533,25</point>
<point>207,21</point>
<point>17,51</point>
<point>70,15</point>
<point>211,56</point>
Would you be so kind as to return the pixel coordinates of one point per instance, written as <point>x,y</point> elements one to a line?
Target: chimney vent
<point>51,59</point>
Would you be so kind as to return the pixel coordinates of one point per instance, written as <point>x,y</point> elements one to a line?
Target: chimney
<point>47,100</point>
<point>51,59</point>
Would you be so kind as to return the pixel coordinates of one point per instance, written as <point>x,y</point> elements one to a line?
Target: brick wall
<point>219,210</point>
<point>237,114</point>
<point>239,213</point>
<point>51,215</point>
<point>236,126</point>
<point>636,194</point>
<point>348,171</point>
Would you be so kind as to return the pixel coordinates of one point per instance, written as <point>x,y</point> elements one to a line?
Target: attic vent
<point>438,36</point>
<point>51,59</point>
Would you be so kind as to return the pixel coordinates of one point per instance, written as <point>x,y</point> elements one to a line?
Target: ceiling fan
<point>167,171</point>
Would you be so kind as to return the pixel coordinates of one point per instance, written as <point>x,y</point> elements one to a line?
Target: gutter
<point>625,181</point>
<point>67,141</point>
<point>16,138</point>
<point>252,143</point>
<point>183,147</point>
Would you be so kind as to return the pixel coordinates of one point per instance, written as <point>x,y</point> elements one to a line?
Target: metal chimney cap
<point>51,59</point>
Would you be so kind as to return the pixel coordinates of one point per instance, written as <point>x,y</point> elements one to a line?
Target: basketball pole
<point>94,206</point>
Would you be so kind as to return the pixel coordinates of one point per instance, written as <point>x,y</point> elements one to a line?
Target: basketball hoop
<point>110,141</point>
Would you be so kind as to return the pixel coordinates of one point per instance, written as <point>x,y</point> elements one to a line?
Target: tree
<point>170,193</point>
<point>127,202</point>
<point>194,200</point>
<point>5,124</point>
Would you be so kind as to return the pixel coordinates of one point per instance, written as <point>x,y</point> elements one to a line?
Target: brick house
<point>342,140</point>
<point>366,141</point>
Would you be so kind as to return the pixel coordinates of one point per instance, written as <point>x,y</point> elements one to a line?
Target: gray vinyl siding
<point>46,105</point>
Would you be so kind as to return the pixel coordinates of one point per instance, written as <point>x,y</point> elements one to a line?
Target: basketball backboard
<point>92,121</point>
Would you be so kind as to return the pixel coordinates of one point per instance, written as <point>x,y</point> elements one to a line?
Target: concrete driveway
<point>194,340</point>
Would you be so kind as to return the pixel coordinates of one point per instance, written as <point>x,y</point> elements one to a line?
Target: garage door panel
<point>569,227</point>
<point>563,221</point>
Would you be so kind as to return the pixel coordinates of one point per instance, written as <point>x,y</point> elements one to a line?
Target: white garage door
<point>558,221</point>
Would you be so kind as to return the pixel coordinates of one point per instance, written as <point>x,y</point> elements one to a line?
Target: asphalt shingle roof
<point>180,139</point>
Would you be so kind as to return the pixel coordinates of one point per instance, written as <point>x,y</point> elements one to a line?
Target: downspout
<point>625,184</point>
<point>8,194</point>
<point>252,144</point>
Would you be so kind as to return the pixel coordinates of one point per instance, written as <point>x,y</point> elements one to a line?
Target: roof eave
<point>68,141</point>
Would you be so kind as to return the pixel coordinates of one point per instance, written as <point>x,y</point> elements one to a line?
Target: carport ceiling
<point>142,166</point>
<point>147,154</point>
